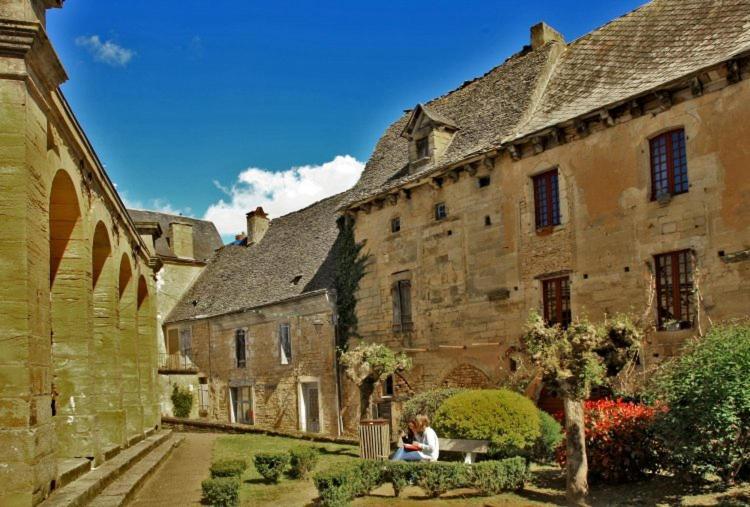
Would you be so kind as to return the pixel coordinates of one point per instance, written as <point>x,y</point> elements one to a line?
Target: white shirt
<point>430,444</point>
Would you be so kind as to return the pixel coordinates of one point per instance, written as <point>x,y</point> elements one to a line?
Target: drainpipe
<point>335,319</point>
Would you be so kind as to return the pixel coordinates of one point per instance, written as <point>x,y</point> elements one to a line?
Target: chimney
<point>542,33</point>
<point>182,240</point>
<point>257,225</point>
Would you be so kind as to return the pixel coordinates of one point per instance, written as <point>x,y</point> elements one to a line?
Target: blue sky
<point>207,107</point>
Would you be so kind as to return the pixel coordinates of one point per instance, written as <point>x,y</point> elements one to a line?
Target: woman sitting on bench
<point>424,447</point>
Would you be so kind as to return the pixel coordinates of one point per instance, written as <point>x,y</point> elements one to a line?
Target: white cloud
<point>281,192</point>
<point>106,52</point>
<point>160,205</point>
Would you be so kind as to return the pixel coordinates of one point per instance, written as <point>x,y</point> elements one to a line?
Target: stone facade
<point>77,284</point>
<point>274,390</point>
<point>476,274</point>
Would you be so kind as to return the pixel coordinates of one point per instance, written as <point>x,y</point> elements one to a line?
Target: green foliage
<point>221,491</point>
<point>509,420</point>
<point>228,468</point>
<point>494,477</point>
<point>373,361</point>
<point>339,485</point>
<point>707,426</point>
<point>271,465</point>
<point>435,478</point>
<point>350,268</point>
<point>182,399</point>
<point>303,460</point>
<point>582,356</point>
<point>401,474</point>
<point>551,434</point>
<point>427,403</point>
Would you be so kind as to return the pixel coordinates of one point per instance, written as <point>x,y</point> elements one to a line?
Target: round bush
<point>228,468</point>
<point>619,441</point>
<point>550,436</point>
<point>509,420</point>
<point>427,403</point>
<point>221,491</point>
<point>706,428</point>
<point>302,460</point>
<point>270,465</point>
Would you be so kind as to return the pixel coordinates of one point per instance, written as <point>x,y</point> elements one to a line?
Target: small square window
<point>395,224</point>
<point>484,181</point>
<point>487,220</point>
<point>440,211</point>
<point>423,148</point>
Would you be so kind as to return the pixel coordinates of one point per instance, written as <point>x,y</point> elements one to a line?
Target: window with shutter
<point>668,164</point>
<point>285,343</point>
<point>240,347</point>
<point>402,317</point>
<point>556,301</point>
<point>186,342</point>
<point>546,199</point>
<point>674,290</point>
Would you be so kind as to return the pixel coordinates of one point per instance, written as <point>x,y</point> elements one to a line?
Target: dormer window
<point>430,133</point>
<point>423,148</point>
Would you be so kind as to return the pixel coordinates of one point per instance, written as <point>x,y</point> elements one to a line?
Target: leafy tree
<point>573,361</point>
<point>368,364</point>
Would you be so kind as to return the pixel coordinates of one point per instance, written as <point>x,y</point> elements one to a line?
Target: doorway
<point>310,407</point>
<point>242,404</point>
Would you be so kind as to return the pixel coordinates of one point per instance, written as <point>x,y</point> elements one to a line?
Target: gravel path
<point>177,482</point>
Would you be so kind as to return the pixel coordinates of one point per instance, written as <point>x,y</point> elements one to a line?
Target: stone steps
<point>82,490</point>
<point>124,488</point>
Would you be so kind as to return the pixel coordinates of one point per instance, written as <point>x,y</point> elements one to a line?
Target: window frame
<point>669,172</point>
<point>240,362</point>
<point>441,215</point>
<point>284,357</point>
<point>402,306</point>
<point>675,290</point>
<point>547,212</point>
<point>422,147</point>
<point>186,337</point>
<point>562,299</point>
<point>395,225</point>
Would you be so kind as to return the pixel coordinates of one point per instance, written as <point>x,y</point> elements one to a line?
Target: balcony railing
<point>179,362</point>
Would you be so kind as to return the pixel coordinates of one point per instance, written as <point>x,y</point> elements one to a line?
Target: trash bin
<point>374,439</point>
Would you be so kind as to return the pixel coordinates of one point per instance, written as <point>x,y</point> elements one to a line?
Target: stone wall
<point>475,275</point>
<point>77,306</point>
<point>275,386</point>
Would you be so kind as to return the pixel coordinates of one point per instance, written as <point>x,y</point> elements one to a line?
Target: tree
<point>574,360</point>
<point>368,364</point>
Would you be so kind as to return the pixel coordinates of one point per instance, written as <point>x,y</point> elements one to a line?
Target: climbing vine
<point>350,268</point>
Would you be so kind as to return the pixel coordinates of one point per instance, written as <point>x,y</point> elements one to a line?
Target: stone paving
<point>178,481</point>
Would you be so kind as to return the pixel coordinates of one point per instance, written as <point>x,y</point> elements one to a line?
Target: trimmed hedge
<point>228,468</point>
<point>271,464</point>
<point>340,485</point>
<point>221,491</point>
<point>427,403</point>
<point>302,460</point>
<point>508,420</point>
<point>550,437</point>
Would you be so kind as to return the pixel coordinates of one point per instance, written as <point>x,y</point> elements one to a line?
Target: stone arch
<point>128,327</point>
<point>104,359</point>
<point>69,292</point>
<point>466,375</point>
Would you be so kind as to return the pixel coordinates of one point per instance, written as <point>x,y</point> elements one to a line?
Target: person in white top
<point>426,444</point>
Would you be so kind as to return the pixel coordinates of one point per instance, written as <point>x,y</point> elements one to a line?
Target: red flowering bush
<point>619,441</point>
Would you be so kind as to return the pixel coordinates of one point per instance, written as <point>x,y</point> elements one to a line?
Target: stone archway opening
<point>69,291</point>
<point>466,376</point>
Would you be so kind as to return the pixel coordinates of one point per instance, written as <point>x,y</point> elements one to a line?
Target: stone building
<point>77,282</point>
<point>604,175</point>
<point>183,245</point>
<point>259,323</point>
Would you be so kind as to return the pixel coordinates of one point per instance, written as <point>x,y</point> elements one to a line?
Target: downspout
<point>335,319</point>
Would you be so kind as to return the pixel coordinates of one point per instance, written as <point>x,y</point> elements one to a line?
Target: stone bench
<point>469,448</point>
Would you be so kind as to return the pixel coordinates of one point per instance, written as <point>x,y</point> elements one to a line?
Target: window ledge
<point>549,230</point>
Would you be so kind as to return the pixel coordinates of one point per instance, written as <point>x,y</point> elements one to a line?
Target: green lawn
<point>547,485</point>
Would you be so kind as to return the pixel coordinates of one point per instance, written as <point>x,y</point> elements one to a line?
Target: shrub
<point>370,475</point>
<point>182,399</point>
<point>228,468</point>
<point>426,402</point>
<point>400,474</point>
<point>509,420</point>
<point>221,491</point>
<point>340,484</point>
<point>494,477</point>
<point>302,460</point>
<point>271,464</point>
<point>436,478</point>
<point>707,426</point>
<point>619,441</point>
<point>550,436</point>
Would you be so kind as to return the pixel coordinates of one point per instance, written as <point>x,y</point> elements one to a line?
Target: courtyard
<point>178,480</point>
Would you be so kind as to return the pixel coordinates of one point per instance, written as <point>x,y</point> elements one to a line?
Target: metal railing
<point>177,363</point>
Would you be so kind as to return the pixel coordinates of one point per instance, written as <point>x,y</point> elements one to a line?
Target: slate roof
<point>206,238</point>
<point>659,42</point>
<point>239,277</point>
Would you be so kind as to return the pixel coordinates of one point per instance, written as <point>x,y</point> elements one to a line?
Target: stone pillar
<point>131,400</point>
